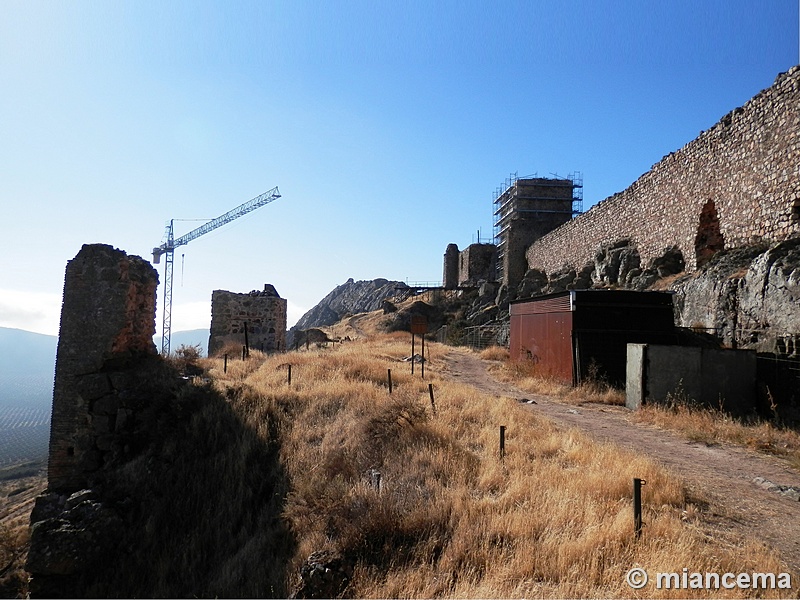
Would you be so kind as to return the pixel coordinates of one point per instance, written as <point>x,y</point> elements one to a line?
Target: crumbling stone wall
<point>737,184</point>
<point>477,262</point>
<point>107,325</point>
<point>263,312</point>
<point>450,274</point>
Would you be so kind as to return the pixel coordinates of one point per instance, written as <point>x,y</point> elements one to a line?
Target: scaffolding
<point>511,203</point>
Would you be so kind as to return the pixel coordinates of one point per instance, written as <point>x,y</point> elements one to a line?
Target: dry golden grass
<point>494,353</point>
<point>527,376</point>
<point>713,427</point>
<point>697,424</point>
<point>553,518</point>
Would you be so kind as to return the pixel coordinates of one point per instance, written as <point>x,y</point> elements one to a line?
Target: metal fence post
<point>637,506</point>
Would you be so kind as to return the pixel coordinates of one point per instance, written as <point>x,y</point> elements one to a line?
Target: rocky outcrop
<point>747,297</point>
<point>401,320</point>
<point>304,337</point>
<point>350,298</point>
<point>615,265</point>
<point>71,534</point>
<point>324,574</point>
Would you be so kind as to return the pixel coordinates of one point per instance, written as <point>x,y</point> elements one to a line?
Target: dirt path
<point>722,475</point>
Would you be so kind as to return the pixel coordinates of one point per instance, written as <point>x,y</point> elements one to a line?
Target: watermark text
<point>638,578</point>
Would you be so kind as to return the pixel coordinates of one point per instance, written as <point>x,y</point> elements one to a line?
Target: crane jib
<point>170,244</point>
<point>229,216</point>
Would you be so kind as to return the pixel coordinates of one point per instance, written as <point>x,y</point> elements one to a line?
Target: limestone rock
<point>70,534</point>
<point>613,262</point>
<point>352,297</point>
<point>324,574</point>
<point>532,284</point>
<point>749,297</point>
<point>401,320</point>
<point>310,336</point>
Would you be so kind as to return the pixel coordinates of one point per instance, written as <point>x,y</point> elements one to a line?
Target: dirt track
<point>722,475</point>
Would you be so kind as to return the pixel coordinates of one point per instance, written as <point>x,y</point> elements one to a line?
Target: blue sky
<point>387,127</point>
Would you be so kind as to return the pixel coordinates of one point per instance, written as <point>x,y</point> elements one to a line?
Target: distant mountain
<point>352,297</point>
<point>27,366</point>
<point>192,337</point>
<point>28,360</point>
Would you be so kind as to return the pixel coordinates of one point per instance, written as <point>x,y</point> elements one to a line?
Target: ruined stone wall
<point>107,325</point>
<point>450,272</point>
<point>263,312</point>
<point>477,262</point>
<point>736,184</point>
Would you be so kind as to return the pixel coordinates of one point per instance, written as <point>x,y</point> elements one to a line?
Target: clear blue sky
<point>386,125</point>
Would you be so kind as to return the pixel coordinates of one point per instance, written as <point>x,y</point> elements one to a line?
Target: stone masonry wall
<point>450,271</point>
<point>736,184</point>
<point>477,263</point>
<point>263,312</point>
<point>107,325</point>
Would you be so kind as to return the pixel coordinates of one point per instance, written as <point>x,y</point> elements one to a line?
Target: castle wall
<point>107,326</point>
<point>263,312</point>
<point>450,274</point>
<point>477,263</point>
<point>736,184</point>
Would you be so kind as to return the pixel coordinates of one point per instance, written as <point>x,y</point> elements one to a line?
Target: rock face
<point>352,297</point>
<point>748,297</point>
<point>324,574</point>
<point>70,535</point>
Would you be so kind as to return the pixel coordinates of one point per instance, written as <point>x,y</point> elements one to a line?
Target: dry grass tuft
<point>495,353</point>
<point>450,518</point>
<point>711,426</point>
<point>531,377</point>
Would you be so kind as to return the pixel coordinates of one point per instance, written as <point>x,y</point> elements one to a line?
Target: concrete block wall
<point>107,325</point>
<point>744,171</point>
<point>264,313</point>
<point>707,377</point>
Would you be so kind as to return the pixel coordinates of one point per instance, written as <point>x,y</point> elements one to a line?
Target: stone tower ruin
<point>526,210</point>
<point>107,327</point>
<point>262,313</point>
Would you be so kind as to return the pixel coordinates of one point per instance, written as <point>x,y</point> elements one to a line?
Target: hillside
<point>350,298</point>
<point>332,486</point>
<point>26,371</point>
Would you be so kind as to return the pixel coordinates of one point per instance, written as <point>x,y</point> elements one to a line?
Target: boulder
<point>324,574</point>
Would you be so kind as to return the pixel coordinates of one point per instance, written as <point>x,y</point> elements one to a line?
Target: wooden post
<point>246,341</point>
<point>225,364</point>
<point>412,353</point>
<point>637,506</point>
<point>244,352</point>
<point>390,381</point>
<point>289,375</point>
<point>423,356</point>
<point>430,392</point>
<point>502,442</point>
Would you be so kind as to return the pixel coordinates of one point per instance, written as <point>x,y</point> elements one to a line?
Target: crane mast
<point>169,244</point>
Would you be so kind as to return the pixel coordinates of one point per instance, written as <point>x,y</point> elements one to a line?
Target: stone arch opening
<point>709,239</point>
<point>796,210</point>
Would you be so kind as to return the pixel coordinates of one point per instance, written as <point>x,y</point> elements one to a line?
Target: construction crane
<point>170,243</point>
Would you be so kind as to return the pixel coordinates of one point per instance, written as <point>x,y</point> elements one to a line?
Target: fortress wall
<point>107,327</point>
<point>476,262</point>
<point>263,312</point>
<point>747,165</point>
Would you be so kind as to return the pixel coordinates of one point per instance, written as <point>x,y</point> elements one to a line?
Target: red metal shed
<point>581,333</point>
